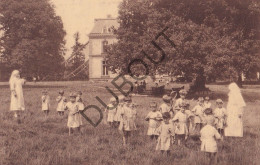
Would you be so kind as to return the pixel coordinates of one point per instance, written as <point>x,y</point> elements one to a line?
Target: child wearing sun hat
<point>111,111</point>
<point>182,98</point>
<point>127,124</point>
<point>166,134</point>
<point>154,117</point>
<point>73,116</point>
<point>165,106</point>
<point>181,119</point>
<point>220,115</point>
<point>208,136</point>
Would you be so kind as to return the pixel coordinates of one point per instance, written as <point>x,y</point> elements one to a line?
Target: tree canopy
<point>33,37</point>
<point>215,38</point>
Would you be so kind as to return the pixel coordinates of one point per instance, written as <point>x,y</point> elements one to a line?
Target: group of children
<point>74,106</point>
<point>176,121</point>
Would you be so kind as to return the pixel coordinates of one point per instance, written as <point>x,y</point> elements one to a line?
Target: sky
<point>79,15</point>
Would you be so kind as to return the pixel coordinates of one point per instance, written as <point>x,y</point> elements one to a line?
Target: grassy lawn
<point>45,141</point>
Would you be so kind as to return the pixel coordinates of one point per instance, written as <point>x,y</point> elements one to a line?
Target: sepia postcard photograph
<point>129,82</point>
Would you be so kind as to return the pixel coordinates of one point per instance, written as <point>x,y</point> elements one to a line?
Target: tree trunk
<point>199,83</point>
<point>239,81</point>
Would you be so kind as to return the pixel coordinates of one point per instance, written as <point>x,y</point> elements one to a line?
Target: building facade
<point>101,36</point>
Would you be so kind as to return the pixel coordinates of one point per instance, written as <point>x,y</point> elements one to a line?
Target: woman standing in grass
<point>17,99</point>
<point>127,124</point>
<point>61,99</point>
<point>235,107</point>
<point>166,132</point>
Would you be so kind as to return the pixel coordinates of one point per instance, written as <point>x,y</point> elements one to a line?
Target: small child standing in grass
<point>207,103</point>
<point>127,124</point>
<point>117,117</point>
<point>81,107</point>
<point>166,106</point>
<point>73,117</point>
<point>61,99</point>
<point>45,103</point>
<point>154,117</point>
<point>111,111</point>
<point>166,132</point>
<point>209,134</point>
<point>198,112</point>
<point>220,115</point>
<point>181,130</point>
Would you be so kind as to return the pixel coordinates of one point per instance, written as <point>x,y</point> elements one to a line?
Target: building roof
<point>104,26</point>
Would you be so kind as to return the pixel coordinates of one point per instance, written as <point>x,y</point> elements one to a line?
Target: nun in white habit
<point>17,99</point>
<point>235,107</point>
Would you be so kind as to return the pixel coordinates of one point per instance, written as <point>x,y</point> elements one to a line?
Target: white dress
<point>110,113</point>
<point>61,103</point>
<point>127,122</point>
<point>73,116</point>
<point>164,108</point>
<point>45,102</point>
<point>198,111</point>
<point>181,126</point>
<point>235,107</point>
<point>219,114</point>
<point>154,122</point>
<point>166,131</point>
<point>207,105</point>
<point>209,134</point>
<point>17,103</point>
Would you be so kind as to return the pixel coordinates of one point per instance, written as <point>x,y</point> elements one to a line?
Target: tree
<point>210,37</point>
<point>33,38</point>
<point>78,58</point>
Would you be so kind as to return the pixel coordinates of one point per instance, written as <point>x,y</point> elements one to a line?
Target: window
<point>105,68</point>
<point>105,29</point>
<point>104,46</point>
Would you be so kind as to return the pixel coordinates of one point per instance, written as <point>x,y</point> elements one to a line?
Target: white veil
<point>235,96</point>
<point>13,76</point>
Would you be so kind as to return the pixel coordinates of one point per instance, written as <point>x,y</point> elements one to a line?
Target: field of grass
<point>39,141</point>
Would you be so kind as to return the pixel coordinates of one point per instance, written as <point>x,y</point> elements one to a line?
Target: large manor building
<point>101,36</point>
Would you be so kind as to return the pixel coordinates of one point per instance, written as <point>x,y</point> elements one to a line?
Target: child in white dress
<point>111,111</point>
<point>45,103</point>
<point>154,117</point>
<point>179,101</point>
<point>165,106</point>
<point>207,103</point>
<point>166,134</point>
<point>61,99</point>
<point>117,117</point>
<point>198,112</point>
<point>73,117</point>
<point>209,134</point>
<point>81,107</point>
<point>127,124</point>
<point>220,115</point>
<point>181,130</point>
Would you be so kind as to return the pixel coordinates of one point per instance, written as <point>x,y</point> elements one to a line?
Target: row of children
<point>74,106</point>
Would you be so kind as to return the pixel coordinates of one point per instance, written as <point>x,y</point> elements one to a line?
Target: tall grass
<point>38,140</point>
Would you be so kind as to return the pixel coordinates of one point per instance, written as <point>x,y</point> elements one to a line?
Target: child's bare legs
<point>17,116</point>
<point>168,152</point>
<point>212,157</point>
<point>126,135</point>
